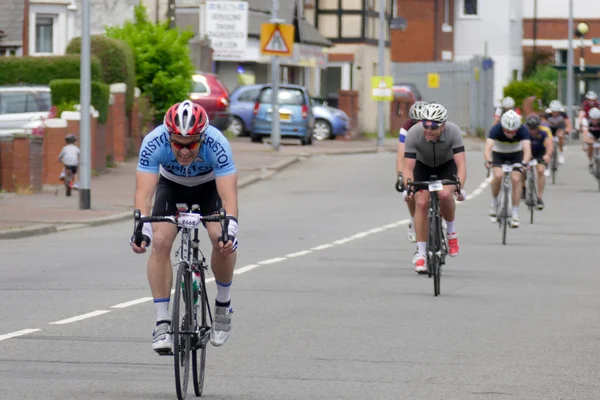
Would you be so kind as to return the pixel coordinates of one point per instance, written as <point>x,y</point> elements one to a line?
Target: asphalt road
<point>346,321</point>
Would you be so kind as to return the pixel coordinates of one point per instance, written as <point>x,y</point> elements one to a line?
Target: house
<point>45,27</point>
<point>458,30</point>
<point>353,27</point>
<point>309,50</point>
<point>546,27</point>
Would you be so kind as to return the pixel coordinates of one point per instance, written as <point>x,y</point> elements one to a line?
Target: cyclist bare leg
<point>515,178</point>
<point>448,210</point>
<point>421,200</point>
<point>560,133</point>
<point>541,184</point>
<point>495,188</point>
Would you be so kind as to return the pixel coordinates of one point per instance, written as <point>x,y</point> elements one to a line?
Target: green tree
<point>162,61</point>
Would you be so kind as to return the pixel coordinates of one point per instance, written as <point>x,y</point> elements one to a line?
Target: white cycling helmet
<point>511,121</point>
<point>556,106</point>
<point>591,95</point>
<point>508,102</point>
<point>416,110</point>
<point>548,111</point>
<point>594,113</point>
<point>435,112</point>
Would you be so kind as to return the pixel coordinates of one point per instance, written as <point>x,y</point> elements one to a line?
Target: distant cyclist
<point>560,125</point>
<point>507,142</point>
<point>415,114</point>
<point>508,103</point>
<point>541,150</point>
<point>591,133</point>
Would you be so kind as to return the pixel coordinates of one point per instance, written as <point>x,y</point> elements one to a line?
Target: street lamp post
<point>582,29</point>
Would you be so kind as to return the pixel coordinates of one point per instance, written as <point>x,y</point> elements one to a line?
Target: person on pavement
<point>185,160</point>
<point>69,156</point>
<point>415,114</point>
<point>507,143</point>
<point>435,147</point>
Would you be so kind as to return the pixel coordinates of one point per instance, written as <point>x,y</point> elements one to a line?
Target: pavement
<point>327,305</point>
<point>50,211</point>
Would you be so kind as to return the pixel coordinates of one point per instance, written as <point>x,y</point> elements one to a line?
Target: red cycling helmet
<point>186,119</point>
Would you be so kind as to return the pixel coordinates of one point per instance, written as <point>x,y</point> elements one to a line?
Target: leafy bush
<point>66,91</point>
<point>116,57</point>
<point>519,90</point>
<point>41,70</point>
<point>163,66</point>
<point>66,106</point>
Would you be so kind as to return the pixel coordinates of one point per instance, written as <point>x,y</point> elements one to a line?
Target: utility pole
<point>380,103</point>
<point>275,130</point>
<point>535,57</point>
<point>570,87</point>
<point>85,88</point>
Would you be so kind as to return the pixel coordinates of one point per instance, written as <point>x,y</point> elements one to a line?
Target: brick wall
<point>21,168</point>
<point>54,141</point>
<point>418,43</point>
<point>36,161</point>
<point>6,162</point>
<point>119,124</point>
<point>348,102</point>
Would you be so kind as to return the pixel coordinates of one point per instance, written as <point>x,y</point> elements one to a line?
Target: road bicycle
<point>437,242</point>
<point>531,193</point>
<point>191,323</point>
<point>504,210</point>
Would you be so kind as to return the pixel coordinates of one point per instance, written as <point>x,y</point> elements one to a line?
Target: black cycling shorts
<point>500,158</point>
<point>447,170</point>
<point>169,193</point>
<point>73,168</point>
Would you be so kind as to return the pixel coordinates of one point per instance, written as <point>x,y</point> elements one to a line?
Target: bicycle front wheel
<point>504,213</point>
<point>199,352</point>
<point>437,274</point>
<point>182,326</point>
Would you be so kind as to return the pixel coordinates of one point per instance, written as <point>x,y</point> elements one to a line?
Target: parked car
<point>295,114</point>
<point>243,99</point>
<point>25,108</point>
<point>209,92</point>
<point>329,122</point>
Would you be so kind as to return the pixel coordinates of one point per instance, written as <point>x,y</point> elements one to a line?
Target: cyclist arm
<point>461,167</point>
<point>145,185</point>
<point>568,125</point>
<point>489,144</point>
<point>549,147</point>
<point>410,158</point>
<point>227,189</point>
<point>400,151</point>
<point>526,151</point>
<point>409,166</point>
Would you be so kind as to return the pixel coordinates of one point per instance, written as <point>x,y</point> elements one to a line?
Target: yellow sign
<point>277,39</point>
<point>433,80</point>
<point>381,88</point>
<point>477,74</point>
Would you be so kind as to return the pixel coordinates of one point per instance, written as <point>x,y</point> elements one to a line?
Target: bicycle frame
<point>531,193</point>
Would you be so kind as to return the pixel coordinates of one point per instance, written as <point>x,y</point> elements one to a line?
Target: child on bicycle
<point>69,156</point>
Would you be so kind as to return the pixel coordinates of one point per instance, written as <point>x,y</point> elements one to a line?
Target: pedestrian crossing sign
<point>381,88</point>
<point>277,39</point>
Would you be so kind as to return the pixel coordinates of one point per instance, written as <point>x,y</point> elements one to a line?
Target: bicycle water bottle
<point>196,285</point>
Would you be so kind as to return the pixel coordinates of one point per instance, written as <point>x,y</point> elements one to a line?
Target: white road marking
<point>80,317</point>
<point>18,333</point>
<point>250,267</point>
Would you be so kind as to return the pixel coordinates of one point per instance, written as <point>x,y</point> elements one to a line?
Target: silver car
<point>24,108</point>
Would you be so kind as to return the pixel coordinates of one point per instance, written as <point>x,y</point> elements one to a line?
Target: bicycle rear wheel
<point>199,352</point>
<point>433,247</point>
<point>68,179</point>
<point>182,325</point>
<point>554,164</point>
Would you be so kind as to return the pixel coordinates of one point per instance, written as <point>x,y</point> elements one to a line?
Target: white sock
<point>422,247</point>
<point>412,220</point>
<point>495,201</point>
<point>162,309</point>
<point>223,289</point>
<point>450,225</point>
<point>515,210</point>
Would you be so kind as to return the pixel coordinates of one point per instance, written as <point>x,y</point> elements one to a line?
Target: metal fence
<point>466,88</point>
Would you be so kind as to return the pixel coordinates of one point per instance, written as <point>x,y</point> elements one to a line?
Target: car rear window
<point>289,97</point>
<point>199,87</point>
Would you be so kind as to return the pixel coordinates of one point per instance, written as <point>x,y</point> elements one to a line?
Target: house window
<point>44,33</point>
<point>470,7</point>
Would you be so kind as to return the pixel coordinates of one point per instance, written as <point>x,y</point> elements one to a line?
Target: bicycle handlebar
<point>411,186</point>
<point>139,237</point>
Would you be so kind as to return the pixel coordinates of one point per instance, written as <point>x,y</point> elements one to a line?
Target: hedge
<point>42,70</point>
<point>116,57</point>
<point>65,91</point>
<point>519,90</point>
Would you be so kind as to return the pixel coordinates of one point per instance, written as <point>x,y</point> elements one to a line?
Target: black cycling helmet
<point>70,138</point>
<point>533,121</point>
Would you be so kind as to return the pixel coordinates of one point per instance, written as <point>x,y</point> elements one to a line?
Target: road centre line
<point>250,267</point>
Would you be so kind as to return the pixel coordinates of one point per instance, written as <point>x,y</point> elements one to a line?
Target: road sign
<point>595,45</point>
<point>433,80</point>
<point>381,88</point>
<point>226,25</point>
<point>277,39</point>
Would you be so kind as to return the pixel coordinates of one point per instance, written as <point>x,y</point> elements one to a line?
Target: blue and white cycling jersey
<point>214,158</point>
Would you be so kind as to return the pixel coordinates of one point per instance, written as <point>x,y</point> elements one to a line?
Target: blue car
<point>329,122</point>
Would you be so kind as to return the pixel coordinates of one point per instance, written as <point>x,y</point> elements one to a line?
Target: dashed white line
<point>271,260</point>
<point>18,333</point>
<point>250,267</point>
<point>132,302</point>
<point>80,317</point>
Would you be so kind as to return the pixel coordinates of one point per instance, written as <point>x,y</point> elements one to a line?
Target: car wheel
<point>237,127</point>
<point>322,130</point>
<point>255,138</point>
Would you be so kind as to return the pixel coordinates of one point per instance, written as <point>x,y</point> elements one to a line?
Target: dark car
<point>209,92</point>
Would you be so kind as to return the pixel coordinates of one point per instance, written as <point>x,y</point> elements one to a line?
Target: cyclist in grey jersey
<point>435,147</point>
